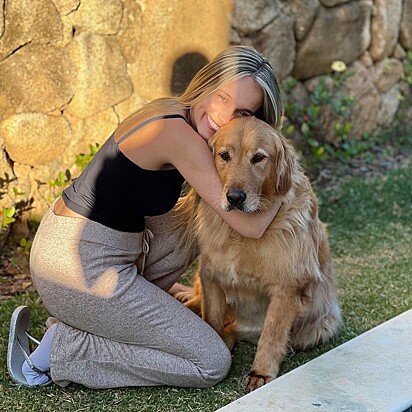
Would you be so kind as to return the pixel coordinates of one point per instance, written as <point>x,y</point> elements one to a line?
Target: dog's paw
<point>194,305</point>
<point>254,381</point>
<point>229,340</point>
<point>183,296</point>
<point>181,292</point>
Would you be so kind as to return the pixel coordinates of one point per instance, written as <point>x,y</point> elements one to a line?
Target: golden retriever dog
<point>277,291</point>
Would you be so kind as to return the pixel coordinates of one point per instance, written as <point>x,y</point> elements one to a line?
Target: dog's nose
<point>236,197</point>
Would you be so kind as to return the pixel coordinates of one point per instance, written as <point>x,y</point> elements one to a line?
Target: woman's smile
<point>240,97</point>
<point>212,124</point>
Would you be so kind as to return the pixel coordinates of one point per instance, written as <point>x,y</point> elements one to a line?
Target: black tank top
<point>117,193</point>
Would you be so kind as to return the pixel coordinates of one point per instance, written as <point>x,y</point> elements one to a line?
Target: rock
<point>364,113</point>
<point>102,78</point>
<point>130,34</point>
<point>406,90</point>
<point>20,228</point>
<point>65,7</point>
<point>1,17</point>
<point>385,28</point>
<point>36,78</point>
<point>346,25</point>
<point>296,94</point>
<point>399,52</point>
<point>234,37</point>
<point>367,100</point>
<point>312,84</point>
<point>257,24</point>
<point>324,132</point>
<point>135,101</point>
<point>249,17</point>
<point>304,12</point>
<point>129,106</point>
<point>68,31</point>
<point>293,98</point>
<point>408,115</point>
<point>405,34</point>
<point>280,53</point>
<point>389,106</point>
<point>386,74</point>
<point>6,177</point>
<point>30,138</point>
<point>35,183</point>
<point>89,131</point>
<point>36,22</point>
<point>366,59</point>
<point>333,3</point>
<point>99,16</point>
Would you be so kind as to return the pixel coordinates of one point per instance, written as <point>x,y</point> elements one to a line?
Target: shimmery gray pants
<point>119,328</point>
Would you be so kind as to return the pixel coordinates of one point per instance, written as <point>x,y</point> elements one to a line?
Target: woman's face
<point>242,97</point>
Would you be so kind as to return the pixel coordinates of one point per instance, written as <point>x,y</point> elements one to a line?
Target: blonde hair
<point>233,63</point>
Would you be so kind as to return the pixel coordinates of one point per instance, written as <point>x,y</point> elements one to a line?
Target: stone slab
<point>370,373</point>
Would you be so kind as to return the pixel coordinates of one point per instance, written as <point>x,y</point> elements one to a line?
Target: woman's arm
<point>174,142</point>
<point>190,154</point>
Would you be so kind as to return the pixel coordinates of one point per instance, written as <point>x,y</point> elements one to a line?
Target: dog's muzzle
<point>236,198</point>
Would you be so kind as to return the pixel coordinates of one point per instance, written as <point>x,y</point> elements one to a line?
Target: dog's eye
<point>258,157</point>
<point>225,156</point>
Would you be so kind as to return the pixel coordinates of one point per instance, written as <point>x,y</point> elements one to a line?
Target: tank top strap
<point>152,119</point>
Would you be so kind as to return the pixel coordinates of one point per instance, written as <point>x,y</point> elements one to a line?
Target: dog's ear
<point>212,141</point>
<point>284,166</point>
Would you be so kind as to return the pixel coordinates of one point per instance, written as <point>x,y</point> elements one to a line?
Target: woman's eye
<point>258,157</point>
<point>224,156</point>
<point>222,98</point>
<point>242,113</point>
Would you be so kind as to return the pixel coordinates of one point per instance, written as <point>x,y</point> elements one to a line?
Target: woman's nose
<point>225,117</point>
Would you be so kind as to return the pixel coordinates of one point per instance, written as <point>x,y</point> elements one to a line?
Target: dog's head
<point>255,163</point>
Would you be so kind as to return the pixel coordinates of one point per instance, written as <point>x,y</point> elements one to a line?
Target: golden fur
<point>278,290</point>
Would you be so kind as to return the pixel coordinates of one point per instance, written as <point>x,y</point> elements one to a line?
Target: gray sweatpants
<point>119,328</point>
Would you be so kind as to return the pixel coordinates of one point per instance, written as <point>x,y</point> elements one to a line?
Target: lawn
<point>370,233</point>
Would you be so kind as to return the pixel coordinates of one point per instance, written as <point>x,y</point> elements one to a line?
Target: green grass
<point>371,239</point>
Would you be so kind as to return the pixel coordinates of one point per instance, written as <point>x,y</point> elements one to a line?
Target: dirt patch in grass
<point>14,270</point>
<point>378,160</point>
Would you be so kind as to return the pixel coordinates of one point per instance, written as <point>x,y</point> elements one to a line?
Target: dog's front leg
<point>282,310</point>
<point>214,304</point>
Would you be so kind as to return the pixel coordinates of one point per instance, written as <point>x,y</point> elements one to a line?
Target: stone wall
<point>302,38</point>
<point>71,70</point>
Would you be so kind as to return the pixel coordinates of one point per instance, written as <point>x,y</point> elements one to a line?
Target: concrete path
<point>370,373</point>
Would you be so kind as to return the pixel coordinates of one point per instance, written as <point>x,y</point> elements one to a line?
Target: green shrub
<point>64,179</point>
<point>328,110</point>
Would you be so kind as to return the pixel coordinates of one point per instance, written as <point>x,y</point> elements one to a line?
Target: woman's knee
<point>215,366</point>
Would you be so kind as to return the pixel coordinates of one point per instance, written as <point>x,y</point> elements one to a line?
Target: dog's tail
<point>322,319</point>
<point>320,323</point>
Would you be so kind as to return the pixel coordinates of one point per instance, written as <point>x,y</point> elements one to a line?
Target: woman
<point>104,255</point>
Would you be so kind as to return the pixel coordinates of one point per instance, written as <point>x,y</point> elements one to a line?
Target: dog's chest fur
<point>243,277</point>
<point>237,261</point>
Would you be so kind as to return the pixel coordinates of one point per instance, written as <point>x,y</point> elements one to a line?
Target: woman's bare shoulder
<point>140,119</point>
<point>158,141</point>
